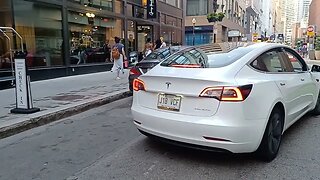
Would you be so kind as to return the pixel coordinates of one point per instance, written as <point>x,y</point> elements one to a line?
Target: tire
<point>271,140</point>
<point>316,110</point>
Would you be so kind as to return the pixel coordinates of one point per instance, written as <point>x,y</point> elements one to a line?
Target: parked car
<point>238,101</point>
<point>150,61</point>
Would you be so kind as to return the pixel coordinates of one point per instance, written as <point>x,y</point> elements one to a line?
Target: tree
<point>215,17</point>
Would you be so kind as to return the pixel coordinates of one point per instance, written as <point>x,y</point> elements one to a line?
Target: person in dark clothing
<point>157,44</point>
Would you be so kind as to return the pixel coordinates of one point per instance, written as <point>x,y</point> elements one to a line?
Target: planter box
<point>317,54</point>
<point>312,55</point>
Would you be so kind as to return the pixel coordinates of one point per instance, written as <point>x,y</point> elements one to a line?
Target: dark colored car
<point>150,61</point>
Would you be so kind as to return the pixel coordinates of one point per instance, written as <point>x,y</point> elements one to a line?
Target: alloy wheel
<point>274,134</point>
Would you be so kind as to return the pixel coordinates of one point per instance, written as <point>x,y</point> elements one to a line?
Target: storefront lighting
<point>90,15</point>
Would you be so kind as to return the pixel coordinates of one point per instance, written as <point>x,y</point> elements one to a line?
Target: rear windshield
<point>226,58</point>
<point>196,58</point>
<point>190,58</point>
<point>158,54</point>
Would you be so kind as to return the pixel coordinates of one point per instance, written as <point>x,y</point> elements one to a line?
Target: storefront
<point>68,37</point>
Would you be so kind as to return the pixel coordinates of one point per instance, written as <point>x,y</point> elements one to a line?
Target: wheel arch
<point>277,104</point>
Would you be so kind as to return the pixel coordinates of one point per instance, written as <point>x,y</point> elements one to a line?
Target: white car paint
<point>242,123</point>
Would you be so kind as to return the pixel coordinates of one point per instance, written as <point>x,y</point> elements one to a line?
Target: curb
<point>54,116</point>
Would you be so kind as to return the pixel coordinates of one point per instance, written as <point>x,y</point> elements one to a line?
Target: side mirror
<point>315,68</point>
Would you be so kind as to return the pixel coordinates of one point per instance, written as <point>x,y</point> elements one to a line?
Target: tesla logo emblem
<point>168,84</point>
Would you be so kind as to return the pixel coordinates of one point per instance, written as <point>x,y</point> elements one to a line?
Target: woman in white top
<point>163,44</point>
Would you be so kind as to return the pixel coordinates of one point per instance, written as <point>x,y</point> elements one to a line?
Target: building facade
<point>291,17</point>
<point>205,32</point>
<point>314,15</point>
<point>253,24</point>
<point>67,37</point>
<point>278,19</point>
<point>303,12</point>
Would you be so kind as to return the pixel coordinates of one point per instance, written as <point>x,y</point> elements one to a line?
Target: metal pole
<point>10,52</point>
<point>21,40</point>
<point>193,35</point>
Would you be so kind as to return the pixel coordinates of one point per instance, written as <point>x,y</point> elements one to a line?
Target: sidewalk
<point>61,97</point>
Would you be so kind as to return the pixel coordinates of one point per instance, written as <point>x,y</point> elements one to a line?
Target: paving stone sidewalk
<point>61,97</point>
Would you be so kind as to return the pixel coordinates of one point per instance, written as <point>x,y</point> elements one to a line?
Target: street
<point>103,143</point>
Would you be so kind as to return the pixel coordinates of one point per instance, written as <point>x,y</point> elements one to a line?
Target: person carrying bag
<point>117,56</point>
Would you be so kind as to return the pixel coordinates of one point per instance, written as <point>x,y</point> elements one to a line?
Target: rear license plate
<point>169,102</point>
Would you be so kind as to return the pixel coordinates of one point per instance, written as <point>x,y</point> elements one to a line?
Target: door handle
<point>302,79</point>
<point>282,84</point>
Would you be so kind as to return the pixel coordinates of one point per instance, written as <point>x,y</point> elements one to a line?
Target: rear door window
<point>294,61</point>
<point>270,61</point>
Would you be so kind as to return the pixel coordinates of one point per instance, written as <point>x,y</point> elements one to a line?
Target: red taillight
<point>227,93</point>
<point>134,71</point>
<point>138,85</point>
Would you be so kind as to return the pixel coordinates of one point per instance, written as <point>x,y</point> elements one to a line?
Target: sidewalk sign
<point>24,104</point>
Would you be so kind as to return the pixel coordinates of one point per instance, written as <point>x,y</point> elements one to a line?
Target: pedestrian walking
<point>148,47</point>
<point>118,56</point>
<point>304,50</point>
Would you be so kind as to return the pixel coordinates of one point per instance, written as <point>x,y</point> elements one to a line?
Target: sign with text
<point>234,33</point>
<point>152,9</point>
<point>21,84</point>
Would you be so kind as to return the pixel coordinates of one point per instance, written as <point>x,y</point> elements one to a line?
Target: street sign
<point>152,9</point>
<point>310,31</point>
<point>255,37</point>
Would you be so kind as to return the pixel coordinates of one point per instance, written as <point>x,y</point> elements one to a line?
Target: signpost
<point>152,9</point>
<point>24,104</point>
<point>255,37</point>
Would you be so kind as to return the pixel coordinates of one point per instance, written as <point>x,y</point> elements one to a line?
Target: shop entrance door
<point>143,33</point>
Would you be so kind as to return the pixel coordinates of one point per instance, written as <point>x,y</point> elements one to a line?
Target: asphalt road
<point>104,144</point>
<point>60,149</point>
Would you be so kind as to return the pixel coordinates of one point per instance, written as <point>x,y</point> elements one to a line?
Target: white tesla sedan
<point>237,101</point>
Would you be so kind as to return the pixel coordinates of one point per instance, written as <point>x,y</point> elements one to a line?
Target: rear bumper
<point>236,135</point>
<point>182,144</point>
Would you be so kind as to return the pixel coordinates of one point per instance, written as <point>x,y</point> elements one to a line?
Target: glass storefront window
<point>91,38</point>
<point>131,36</point>
<point>5,20</point>
<point>172,36</point>
<point>41,28</point>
